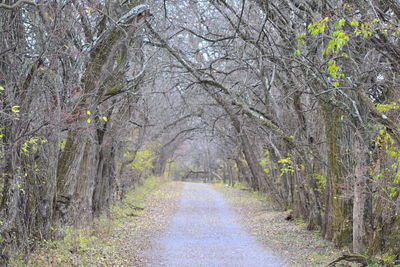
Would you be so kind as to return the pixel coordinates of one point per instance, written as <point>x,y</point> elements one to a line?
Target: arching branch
<point>17,4</point>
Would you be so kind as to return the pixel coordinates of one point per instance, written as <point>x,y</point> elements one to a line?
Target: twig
<point>351,258</point>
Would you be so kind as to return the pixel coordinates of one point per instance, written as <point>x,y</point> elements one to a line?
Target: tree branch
<point>243,106</point>
<point>17,4</point>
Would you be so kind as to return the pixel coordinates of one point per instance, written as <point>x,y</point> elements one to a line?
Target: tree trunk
<point>359,202</point>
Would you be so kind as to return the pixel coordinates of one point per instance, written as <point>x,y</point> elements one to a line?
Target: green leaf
<point>333,68</point>
<point>340,40</point>
<point>300,38</point>
<point>393,191</point>
<point>15,109</point>
<point>339,24</point>
<point>318,27</point>
<point>387,107</point>
<point>2,88</point>
<point>354,23</point>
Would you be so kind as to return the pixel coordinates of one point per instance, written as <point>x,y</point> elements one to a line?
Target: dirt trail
<point>205,232</point>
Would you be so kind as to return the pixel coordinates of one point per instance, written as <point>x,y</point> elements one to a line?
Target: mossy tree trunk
<point>337,222</point>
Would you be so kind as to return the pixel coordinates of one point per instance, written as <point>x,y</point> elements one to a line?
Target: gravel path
<point>297,246</point>
<point>204,232</point>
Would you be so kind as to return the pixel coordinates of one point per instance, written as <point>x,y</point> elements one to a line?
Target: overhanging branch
<point>243,106</point>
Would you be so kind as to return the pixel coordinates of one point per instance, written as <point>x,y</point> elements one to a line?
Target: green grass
<point>240,185</point>
<point>132,204</point>
<point>263,197</point>
<point>136,195</point>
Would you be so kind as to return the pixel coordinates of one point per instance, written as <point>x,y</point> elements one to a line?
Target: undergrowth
<point>258,195</point>
<point>95,242</point>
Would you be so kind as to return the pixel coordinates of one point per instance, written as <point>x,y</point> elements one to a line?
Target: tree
<point>297,81</point>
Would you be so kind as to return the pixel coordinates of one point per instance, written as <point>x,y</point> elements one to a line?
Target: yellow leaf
<point>89,121</point>
<point>105,119</point>
<point>15,109</point>
<point>46,14</point>
<point>88,112</point>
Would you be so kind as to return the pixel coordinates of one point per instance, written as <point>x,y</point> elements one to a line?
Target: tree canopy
<point>298,99</point>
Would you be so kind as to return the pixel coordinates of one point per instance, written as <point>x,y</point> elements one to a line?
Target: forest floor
<point>136,230</point>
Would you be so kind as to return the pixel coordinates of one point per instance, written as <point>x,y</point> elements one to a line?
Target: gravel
<point>290,239</point>
<point>204,232</point>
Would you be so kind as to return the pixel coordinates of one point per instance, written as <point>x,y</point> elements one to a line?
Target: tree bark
<point>359,201</point>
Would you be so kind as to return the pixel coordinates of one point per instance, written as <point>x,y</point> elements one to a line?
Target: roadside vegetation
<point>118,237</point>
<point>287,236</point>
